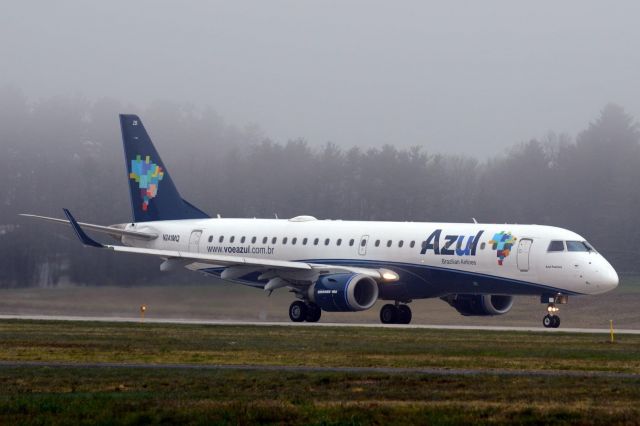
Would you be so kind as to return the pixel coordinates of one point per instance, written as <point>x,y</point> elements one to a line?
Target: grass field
<point>313,346</point>
<point>69,395</point>
<point>47,395</point>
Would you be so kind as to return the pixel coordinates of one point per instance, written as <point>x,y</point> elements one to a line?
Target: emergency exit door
<point>362,248</point>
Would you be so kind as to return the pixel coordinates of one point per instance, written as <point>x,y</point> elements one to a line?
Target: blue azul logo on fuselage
<point>453,245</point>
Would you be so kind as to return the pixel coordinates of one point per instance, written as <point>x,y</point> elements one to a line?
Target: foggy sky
<point>456,77</point>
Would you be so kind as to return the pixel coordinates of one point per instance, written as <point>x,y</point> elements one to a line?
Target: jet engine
<point>480,304</point>
<point>344,292</point>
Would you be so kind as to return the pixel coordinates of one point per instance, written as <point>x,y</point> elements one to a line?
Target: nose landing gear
<point>552,320</point>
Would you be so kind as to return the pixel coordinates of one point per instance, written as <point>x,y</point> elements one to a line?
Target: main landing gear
<point>300,311</point>
<point>552,320</point>
<point>395,314</point>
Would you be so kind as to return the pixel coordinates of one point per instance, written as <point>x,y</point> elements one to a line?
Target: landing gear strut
<point>300,311</point>
<point>395,314</point>
<point>552,320</point>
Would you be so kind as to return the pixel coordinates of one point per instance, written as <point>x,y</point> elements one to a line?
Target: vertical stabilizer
<point>153,194</point>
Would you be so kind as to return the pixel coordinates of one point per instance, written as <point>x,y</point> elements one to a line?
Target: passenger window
<point>294,240</point>
<point>327,241</point>
<point>232,239</point>
<point>389,243</point>
<point>339,241</point>
<point>253,240</point>
<point>210,238</point>
<point>377,243</point>
<point>412,244</point>
<point>221,239</point>
<point>556,246</point>
<point>400,243</point>
<point>363,243</point>
<point>242,240</point>
<point>264,240</point>
<point>316,241</point>
<point>274,240</point>
<point>304,241</point>
<point>284,240</point>
<point>351,242</point>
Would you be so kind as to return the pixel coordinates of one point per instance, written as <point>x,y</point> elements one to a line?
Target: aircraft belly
<point>422,281</point>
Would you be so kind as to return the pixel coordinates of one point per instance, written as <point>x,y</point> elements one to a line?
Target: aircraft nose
<point>608,277</point>
<point>612,280</point>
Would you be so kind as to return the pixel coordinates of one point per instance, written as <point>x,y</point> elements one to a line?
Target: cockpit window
<point>578,246</point>
<point>556,246</point>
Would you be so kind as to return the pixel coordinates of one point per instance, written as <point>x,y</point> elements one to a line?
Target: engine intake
<point>344,292</point>
<point>480,304</point>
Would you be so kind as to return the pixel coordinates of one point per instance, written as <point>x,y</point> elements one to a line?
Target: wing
<point>112,230</point>
<point>277,273</point>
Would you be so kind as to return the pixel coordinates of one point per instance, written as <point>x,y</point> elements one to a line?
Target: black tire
<point>298,311</point>
<point>547,321</point>
<point>556,321</point>
<point>313,313</point>
<point>404,314</point>
<point>388,314</point>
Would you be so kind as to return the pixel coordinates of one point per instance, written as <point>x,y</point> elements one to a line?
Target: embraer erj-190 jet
<point>340,266</point>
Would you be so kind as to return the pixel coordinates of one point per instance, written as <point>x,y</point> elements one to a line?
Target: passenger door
<point>524,247</point>
<point>194,241</point>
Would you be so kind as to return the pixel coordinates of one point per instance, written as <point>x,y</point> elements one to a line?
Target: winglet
<point>84,238</point>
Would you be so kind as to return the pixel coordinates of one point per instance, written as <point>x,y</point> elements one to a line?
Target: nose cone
<point>607,277</point>
<point>611,279</point>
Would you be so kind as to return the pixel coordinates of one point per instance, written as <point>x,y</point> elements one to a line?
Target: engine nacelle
<point>344,292</point>
<point>480,304</point>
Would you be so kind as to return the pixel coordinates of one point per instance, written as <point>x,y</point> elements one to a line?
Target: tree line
<point>67,152</point>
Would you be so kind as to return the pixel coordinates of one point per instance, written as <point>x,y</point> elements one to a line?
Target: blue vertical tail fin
<point>153,194</point>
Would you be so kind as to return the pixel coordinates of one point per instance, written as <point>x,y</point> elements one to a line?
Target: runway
<point>318,369</point>
<point>194,321</point>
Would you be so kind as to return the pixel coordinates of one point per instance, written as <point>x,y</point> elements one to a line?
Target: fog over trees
<point>67,152</point>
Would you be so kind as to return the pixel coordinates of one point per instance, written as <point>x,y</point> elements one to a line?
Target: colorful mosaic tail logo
<point>148,176</point>
<point>502,242</point>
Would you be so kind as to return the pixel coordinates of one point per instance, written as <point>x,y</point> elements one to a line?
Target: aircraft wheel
<point>547,321</point>
<point>404,314</point>
<point>388,314</point>
<point>556,321</point>
<point>313,313</point>
<point>298,311</point>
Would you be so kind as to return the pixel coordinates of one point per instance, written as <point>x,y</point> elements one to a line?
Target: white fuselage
<point>432,258</point>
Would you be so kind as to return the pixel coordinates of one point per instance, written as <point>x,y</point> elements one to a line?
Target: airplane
<point>347,266</point>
